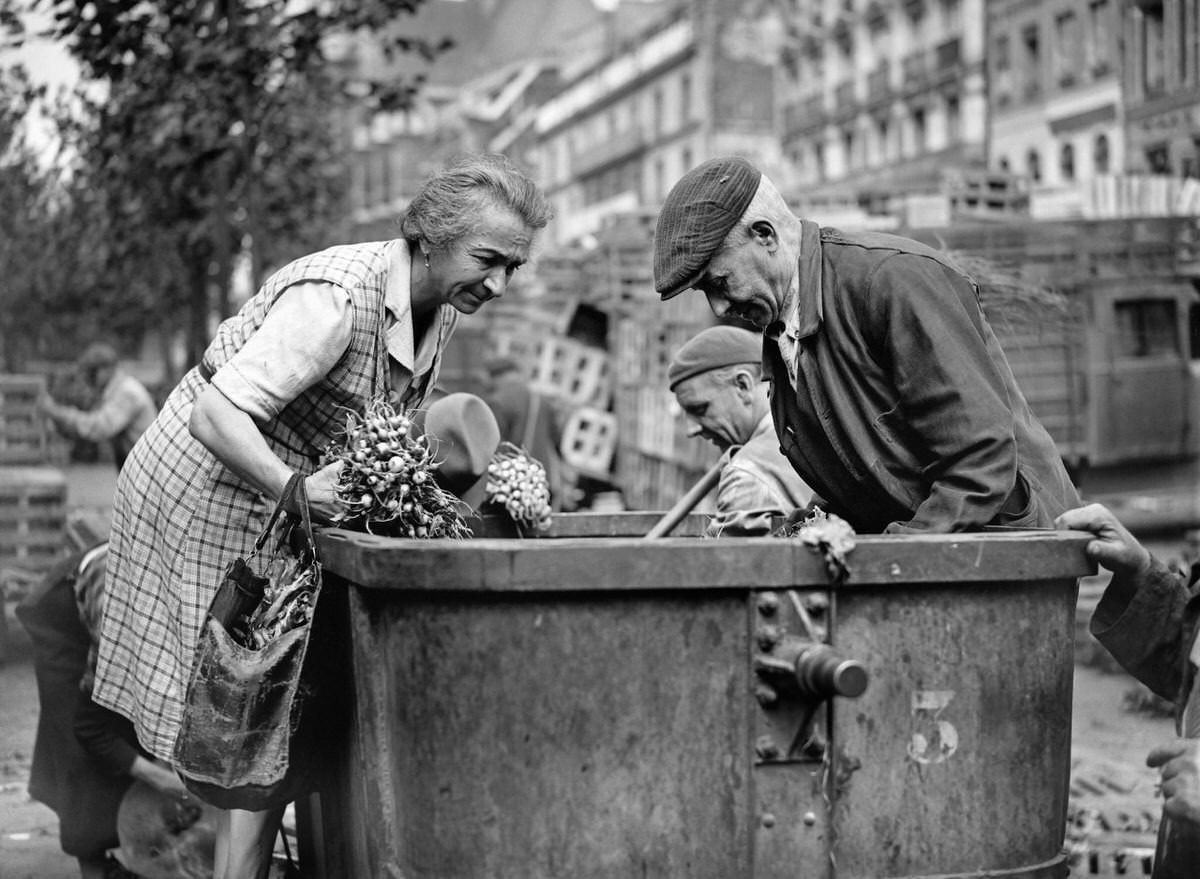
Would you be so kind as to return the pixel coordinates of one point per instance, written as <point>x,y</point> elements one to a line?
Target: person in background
<point>124,407</point>
<point>528,420</point>
<point>890,394</point>
<point>1149,619</point>
<point>716,377</point>
<point>327,333</point>
<point>84,757</point>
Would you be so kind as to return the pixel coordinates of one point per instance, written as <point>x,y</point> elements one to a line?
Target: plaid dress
<point>180,516</point>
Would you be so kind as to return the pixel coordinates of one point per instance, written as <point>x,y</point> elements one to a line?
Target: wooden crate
<point>33,516</point>
<point>589,441</point>
<point>25,436</point>
<point>651,482</point>
<point>572,372</point>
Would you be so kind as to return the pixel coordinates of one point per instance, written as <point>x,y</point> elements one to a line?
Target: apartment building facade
<point>1055,89</point>
<point>693,84</point>
<point>879,98</point>
<point>1162,86</point>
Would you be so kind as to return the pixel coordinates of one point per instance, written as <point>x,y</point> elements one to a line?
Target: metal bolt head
<point>766,695</point>
<point>809,819</point>
<point>768,635</point>
<point>765,748</point>
<point>768,603</point>
<point>768,820</point>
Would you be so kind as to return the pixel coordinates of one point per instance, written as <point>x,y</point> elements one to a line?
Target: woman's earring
<point>426,262</point>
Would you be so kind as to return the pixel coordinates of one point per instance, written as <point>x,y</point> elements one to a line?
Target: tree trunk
<point>198,325</point>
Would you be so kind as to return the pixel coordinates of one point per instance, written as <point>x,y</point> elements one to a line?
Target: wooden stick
<point>685,504</point>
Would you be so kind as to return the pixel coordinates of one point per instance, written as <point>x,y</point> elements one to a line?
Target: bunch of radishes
<point>387,482</point>
<point>517,482</point>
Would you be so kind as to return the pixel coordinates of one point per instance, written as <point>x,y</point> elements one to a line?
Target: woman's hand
<point>323,503</point>
<point>1114,547</point>
<point>158,776</point>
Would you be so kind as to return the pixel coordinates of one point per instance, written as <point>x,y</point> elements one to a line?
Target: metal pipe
<point>684,505</point>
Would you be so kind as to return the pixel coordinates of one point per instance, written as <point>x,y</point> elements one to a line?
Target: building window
<point>1099,37</point>
<point>848,147</point>
<point>1158,159</point>
<point>882,130</point>
<point>819,160</point>
<point>686,158</point>
<point>1100,154</point>
<point>1033,165</point>
<point>1004,164</point>
<point>1066,162</point>
<point>1145,328</point>
<point>953,119</point>
<point>1153,71</point>
<point>1001,71</point>
<point>1067,58</point>
<point>919,133</point>
<point>1000,54</point>
<point>656,110</point>
<point>1032,62</point>
<point>685,97</point>
<point>952,10</point>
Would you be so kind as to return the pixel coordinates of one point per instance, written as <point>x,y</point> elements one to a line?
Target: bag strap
<point>293,491</point>
<point>300,498</point>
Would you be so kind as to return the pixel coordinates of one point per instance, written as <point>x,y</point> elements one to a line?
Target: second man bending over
<point>717,379</point>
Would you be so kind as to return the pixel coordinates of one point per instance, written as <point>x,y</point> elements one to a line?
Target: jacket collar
<point>809,311</point>
<point>802,308</point>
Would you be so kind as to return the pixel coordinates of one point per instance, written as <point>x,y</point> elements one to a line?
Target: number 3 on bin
<point>933,739</point>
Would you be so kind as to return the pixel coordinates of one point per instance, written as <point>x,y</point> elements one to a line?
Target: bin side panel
<point>956,758</point>
<point>592,735</point>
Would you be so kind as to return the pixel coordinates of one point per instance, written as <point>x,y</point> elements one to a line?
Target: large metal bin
<point>591,706</point>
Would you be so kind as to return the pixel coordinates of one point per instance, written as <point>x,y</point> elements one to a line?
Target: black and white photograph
<point>599,439</point>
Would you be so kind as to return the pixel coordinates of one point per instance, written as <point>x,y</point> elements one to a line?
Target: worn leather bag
<point>248,739</point>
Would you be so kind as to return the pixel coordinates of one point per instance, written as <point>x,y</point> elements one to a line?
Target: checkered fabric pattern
<point>180,516</point>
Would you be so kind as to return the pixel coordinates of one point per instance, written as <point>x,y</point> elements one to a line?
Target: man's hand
<point>1179,762</point>
<point>1114,547</point>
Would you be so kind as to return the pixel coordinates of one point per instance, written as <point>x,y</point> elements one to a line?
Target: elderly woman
<point>325,333</point>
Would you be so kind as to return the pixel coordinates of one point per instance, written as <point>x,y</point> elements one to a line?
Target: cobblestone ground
<point>1114,808</point>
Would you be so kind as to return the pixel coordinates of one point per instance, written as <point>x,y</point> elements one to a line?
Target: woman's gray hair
<point>446,207</point>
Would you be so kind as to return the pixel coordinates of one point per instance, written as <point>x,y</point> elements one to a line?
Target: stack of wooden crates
<point>33,493</point>
<point>656,461</point>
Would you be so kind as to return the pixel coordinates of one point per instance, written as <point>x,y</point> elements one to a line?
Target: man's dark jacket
<point>1150,624</point>
<point>905,416</point>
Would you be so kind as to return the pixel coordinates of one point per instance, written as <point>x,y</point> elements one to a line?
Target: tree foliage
<point>203,125</point>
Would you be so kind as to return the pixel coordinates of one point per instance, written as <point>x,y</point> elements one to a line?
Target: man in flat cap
<point>124,407</point>
<point>717,380</point>
<point>891,396</point>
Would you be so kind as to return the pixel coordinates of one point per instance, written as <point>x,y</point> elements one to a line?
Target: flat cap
<point>712,349</point>
<point>98,354</point>
<point>699,212</point>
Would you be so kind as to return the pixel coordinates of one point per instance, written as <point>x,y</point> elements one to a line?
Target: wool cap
<point>712,349</point>
<point>464,434</point>
<point>699,212</point>
<point>98,354</point>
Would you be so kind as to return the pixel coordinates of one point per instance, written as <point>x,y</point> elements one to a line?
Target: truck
<point>1109,358</point>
